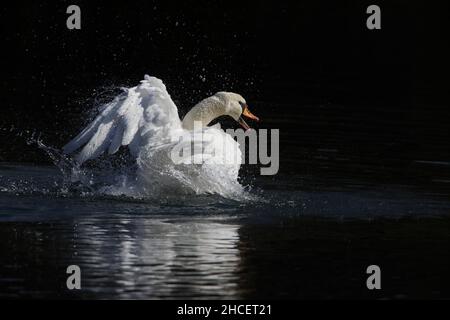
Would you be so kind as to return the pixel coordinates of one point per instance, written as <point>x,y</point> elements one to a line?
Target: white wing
<point>144,114</point>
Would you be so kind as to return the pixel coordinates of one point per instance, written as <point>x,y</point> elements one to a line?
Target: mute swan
<point>145,119</point>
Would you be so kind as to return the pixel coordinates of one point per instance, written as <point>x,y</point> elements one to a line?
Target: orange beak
<point>246,113</point>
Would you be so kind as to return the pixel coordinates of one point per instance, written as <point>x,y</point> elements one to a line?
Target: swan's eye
<point>242,104</point>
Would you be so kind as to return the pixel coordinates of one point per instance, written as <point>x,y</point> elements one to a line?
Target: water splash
<point>115,176</point>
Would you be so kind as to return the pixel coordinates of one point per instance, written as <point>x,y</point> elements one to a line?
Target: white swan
<point>145,119</point>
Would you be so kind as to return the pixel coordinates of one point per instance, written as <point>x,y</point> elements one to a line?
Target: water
<point>292,241</point>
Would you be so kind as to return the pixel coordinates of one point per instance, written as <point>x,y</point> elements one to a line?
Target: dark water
<point>294,242</point>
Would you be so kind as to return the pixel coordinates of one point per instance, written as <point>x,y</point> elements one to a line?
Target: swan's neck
<point>204,112</point>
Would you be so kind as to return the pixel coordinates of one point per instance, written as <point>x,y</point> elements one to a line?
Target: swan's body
<point>145,119</point>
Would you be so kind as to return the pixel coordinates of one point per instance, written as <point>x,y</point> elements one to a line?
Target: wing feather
<point>116,140</point>
<point>131,122</point>
<point>85,135</point>
<point>146,108</point>
<point>98,143</point>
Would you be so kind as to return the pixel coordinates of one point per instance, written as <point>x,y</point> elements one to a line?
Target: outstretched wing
<point>144,114</point>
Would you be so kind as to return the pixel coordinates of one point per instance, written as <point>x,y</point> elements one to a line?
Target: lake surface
<point>304,237</point>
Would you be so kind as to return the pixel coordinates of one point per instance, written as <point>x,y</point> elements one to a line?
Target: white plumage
<point>145,119</point>
<point>146,110</point>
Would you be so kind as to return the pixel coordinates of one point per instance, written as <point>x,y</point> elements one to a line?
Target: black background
<point>312,69</point>
<point>350,103</point>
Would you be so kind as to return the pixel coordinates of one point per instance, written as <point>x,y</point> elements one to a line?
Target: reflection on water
<point>193,257</point>
<point>126,257</point>
<point>296,242</point>
<point>159,257</point>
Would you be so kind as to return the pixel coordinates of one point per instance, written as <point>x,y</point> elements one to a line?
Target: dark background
<point>348,101</point>
<point>356,108</point>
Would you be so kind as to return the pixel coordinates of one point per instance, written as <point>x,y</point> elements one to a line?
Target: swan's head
<point>236,107</point>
